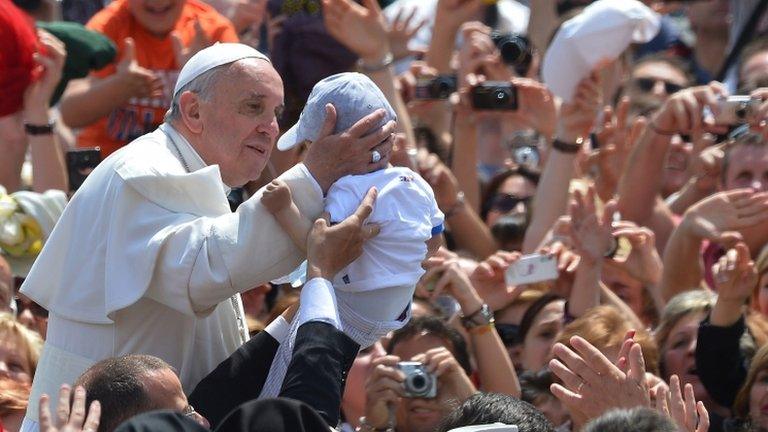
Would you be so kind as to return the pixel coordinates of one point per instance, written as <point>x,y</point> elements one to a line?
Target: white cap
<point>353,95</point>
<point>602,31</point>
<point>215,55</point>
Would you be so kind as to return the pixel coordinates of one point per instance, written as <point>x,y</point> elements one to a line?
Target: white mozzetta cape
<point>146,257</point>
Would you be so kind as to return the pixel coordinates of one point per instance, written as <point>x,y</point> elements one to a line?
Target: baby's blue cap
<point>353,95</point>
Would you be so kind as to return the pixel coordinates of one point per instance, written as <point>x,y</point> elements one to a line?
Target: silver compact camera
<point>418,382</point>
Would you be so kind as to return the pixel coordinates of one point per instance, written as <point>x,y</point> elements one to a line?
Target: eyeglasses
<point>506,202</point>
<point>647,84</point>
<point>509,334</point>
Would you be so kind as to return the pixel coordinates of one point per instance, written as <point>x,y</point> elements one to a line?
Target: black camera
<point>419,383</point>
<point>440,87</point>
<point>516,50</point>
<point>494,95</point>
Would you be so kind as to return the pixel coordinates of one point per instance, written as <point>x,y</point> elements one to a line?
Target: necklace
<point>237,307</point>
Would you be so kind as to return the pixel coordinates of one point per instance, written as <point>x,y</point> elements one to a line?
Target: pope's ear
<point>189,105</point>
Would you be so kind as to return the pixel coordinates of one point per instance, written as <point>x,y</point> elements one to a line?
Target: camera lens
<point>418,383</point>
<point>500,97</point>
<point>741,111</point>
<point>442,88</point>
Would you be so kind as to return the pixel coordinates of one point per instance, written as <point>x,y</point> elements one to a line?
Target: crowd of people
<point>383,215</point>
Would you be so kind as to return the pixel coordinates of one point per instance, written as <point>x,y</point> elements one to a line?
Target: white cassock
<point>148,258</point>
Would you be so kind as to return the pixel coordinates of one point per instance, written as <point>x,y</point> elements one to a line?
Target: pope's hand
<point>331,248</point>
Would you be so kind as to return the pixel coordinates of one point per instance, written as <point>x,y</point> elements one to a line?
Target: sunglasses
<point>509,334</point>
<point>647,84</point>
<point>23,304</point>
<point>505,202</point>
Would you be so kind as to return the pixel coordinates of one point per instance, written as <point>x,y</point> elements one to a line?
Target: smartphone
<point>439,87</point>
<point>80,163</point>
<point>532,269</point>
<point>735,110</point>
<point>495,95</point>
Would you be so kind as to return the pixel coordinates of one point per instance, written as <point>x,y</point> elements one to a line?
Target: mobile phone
<point>735,110</point>
<point>439,87</point>
<point>532,269</point>
<point>80,163</point>
<point>495,95</point>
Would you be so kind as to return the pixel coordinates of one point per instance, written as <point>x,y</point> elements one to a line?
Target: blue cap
<point>353,95</point>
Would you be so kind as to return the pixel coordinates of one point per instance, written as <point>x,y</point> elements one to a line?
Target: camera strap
<point>745,36</point>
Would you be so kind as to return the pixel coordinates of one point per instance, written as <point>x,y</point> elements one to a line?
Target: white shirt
<point>148,258</point>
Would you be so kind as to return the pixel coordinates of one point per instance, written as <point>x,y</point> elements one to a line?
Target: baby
<point>374,292</point>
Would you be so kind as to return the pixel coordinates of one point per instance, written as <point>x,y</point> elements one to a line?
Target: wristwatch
<point>33,129</point>
<point>483,317</point>
<point>383,64</point>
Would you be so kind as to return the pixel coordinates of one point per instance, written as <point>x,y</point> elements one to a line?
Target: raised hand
<point>592,235</point>
<point>38,94</point>
<point>137,80</point>
<point>248,13</point>
<point>578,116</point>
<point>401,31</point>
<point>74,420</point>
<point>683,112</point>
<point>735,275</point>
<point>687,413</point>
<point>719,217</point>
<point>184,53</point>
<point>643,262</point>
<point>592,384</point>
<point>361,28</point>
<point>488,279</point>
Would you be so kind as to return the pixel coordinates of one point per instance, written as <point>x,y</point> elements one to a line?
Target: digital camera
<point>494,95</point>
<point>735,110</point>
<point>516,50</point>
<point>418,382</point>
<point>440,87</point>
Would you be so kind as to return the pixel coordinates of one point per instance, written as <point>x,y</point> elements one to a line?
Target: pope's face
<point>239,120</point>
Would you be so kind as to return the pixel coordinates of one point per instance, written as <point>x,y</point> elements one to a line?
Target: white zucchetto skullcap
<point>215,55</point>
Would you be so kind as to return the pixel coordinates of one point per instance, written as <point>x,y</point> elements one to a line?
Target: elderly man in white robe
<point>148,258</point>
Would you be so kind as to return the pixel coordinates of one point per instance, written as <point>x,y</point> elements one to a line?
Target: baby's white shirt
<point>380,283</point>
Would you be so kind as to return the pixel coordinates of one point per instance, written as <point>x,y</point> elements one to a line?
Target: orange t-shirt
<point>142,115</point>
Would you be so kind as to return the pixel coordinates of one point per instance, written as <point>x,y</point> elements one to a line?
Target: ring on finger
<point>375,156</point>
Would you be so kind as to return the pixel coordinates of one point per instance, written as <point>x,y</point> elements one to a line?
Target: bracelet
<point>482,329</point>
<point>657,131</point>
<point>565,147</point>
<point>33,129</point>
<point>456,207</point>
<point>383,64</point>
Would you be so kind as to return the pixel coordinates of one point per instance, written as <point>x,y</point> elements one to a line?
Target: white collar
<point>186,151</point>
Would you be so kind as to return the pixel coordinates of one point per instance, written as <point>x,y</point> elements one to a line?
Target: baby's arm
<point>277,199</point>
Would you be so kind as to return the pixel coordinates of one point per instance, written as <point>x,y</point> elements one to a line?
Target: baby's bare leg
<point>277,200</point>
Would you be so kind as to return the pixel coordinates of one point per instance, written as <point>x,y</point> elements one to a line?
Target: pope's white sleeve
<point>234,253</point>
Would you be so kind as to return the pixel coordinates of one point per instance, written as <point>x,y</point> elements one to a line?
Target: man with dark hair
<point>129,385</point>
<point>485,408</point>
<point>443,352</point>
<point>636,420</point>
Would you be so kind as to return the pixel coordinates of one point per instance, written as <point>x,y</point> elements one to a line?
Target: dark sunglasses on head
<point>647,84</point>
<point>23,303</point>
<point>505,202</point>
<point>509,334</point>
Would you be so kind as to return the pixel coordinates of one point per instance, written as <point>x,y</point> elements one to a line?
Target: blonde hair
<point>26,340</point>
<point>605,328</point>
<point>759,363</point>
